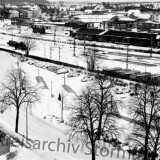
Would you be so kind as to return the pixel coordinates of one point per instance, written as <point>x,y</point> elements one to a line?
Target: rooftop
<point>90,31</point>
<point>129,34</point>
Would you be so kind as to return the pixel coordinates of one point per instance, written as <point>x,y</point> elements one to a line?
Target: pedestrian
<point>59,97</point>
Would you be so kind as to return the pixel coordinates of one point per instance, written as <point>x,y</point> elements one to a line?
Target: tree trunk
<point>93,151</point>
<point>17,120</point>
<point>146,147</point>
<point>155,152</point>
<point>27,52</point>
<point>99,128</point>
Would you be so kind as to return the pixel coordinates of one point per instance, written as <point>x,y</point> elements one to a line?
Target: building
<point>75,12</point>
<point>129,38</point>
<point>148,25</point>
<point>95,21</point>
<point>14,13</point>
<point>155,16</point>
<point>76,24</point>
<point>120,23</point>
<point>88,34</point>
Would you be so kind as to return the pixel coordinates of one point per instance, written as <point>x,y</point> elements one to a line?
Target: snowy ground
<point>44,117</point>
<point>48,129</point>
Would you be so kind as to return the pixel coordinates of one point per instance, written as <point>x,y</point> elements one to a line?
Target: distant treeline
<point>23,1</point>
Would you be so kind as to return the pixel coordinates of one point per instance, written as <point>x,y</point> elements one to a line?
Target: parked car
<point>87,78</point>
<point>52,68</point>
<point>73,74</point>
<point>23,59</point>
<point>12,43</point>
<point>62,71</point>
<point>122,90</point>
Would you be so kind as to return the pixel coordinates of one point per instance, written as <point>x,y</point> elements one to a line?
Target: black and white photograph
<point>79,80</point>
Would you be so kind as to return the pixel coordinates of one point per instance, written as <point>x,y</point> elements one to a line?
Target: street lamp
<point>151,42</point>
<point>127,38</point>
<point>74,46</point>
<point>54,35</point>
<point>12,33</point>
<point>64,79</point>
<point>51,89</point>
<point>85,44</point>
<point>127,57</point>
<point>44,49</point>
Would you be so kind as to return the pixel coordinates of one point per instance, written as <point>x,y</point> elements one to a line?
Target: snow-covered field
<point>48,129</point>
<point>44,117</point>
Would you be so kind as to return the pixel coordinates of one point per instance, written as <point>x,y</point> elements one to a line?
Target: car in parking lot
<point>87,78</point>
<point>73,74</point>
<point>122,90</point>
<point>52,68</point>
<point>62,71</point>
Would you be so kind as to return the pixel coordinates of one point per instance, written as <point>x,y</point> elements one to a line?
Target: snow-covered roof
<point>126,19</point>
<point>94,18</point>
<point>138,14</point>
<point>152,22</point>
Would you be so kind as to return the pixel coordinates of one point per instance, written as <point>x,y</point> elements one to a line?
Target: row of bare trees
<point>95,112</point>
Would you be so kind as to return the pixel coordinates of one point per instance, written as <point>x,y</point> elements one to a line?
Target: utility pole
<point>84,45</point>
<point>59,53</point>
<point>50,52</point>
<point>51,89</point>
<point>151,40</point>
<point>127,52</point>
<point>54,38</point>
<point>74,47</point>
<point>127,58</point>
<point>55,29</point>
<point>70,23</point>
<point>12,34</point>
<point>64,79</point>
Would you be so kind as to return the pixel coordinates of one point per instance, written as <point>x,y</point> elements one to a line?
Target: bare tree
<point>54,35</point>
<point>93,115</point>
<point>104,99</point>
<point>29,43</point>
<point>145,108</point>
<point>154,139</point>
<point>91,59</point>
<point>17,91</point>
